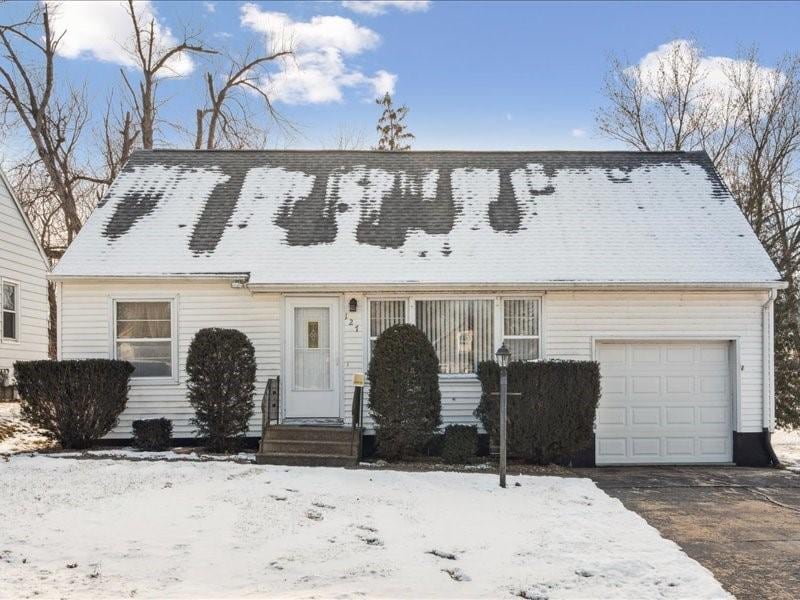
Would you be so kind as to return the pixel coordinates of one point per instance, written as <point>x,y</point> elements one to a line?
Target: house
<point>23,290</point>
<point>641,261</point>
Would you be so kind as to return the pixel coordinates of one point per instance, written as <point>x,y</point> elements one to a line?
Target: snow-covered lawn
<point>18,436</point>
<point>112,528</point>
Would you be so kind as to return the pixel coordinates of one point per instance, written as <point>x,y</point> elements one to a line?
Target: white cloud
<point>714,71</point>
<point>210,7</point>
<point>318,33</point>
<point>578,132</point>
<point>380,7</point>
<point>317,73</point>
<point>103,31</point>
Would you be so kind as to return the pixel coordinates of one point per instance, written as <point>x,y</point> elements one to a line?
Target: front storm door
<point>312,359</point>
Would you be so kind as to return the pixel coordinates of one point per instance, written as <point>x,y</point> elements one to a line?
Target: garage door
<point>664,403</point>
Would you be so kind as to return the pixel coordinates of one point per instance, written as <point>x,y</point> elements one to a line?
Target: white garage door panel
<point>664,403</point>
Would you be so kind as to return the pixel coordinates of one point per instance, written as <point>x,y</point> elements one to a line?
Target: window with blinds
<point>521,328</point>
<point>143,337</point>
<point>461,332</point>
<point>382,315</point>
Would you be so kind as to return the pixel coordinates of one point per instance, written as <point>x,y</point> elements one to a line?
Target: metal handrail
<point>270,403</point>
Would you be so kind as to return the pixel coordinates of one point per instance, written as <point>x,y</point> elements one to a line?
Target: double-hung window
<point>461,331</point>
<point>9,306</point>
<point>521,328</point>
<point>144,336</point>
<point>382,315</point>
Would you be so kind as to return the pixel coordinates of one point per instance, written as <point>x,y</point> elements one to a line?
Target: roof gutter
<point>533,286</point>
<point>239,278</point>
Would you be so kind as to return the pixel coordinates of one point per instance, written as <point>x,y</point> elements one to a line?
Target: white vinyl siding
<point>574,321</point>
<point>22,266</point>
<point>569,325</point>
<point>86,332</point>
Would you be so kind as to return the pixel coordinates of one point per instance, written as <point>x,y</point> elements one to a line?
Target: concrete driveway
<point>742,524</point>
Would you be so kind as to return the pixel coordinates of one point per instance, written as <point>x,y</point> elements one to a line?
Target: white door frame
<point>287,364</point>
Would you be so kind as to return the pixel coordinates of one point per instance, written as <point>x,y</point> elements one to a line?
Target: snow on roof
<point>330,217</point>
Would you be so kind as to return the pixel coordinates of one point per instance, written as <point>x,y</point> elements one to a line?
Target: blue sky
<point>476,75</point>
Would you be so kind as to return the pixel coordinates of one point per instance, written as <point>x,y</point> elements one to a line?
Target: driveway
<point>742,524</point>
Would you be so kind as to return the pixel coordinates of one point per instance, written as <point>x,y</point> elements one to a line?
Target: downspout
<point>768,376</point>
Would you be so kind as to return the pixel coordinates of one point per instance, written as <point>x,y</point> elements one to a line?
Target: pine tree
<point>391,126</point>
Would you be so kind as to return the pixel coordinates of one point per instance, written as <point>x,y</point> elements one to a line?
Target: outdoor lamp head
<point>503,355</point>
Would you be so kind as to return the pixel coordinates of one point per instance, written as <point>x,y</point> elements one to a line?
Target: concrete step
<point>305,460</point>
<point>269,446</point>
<point>309,433</point>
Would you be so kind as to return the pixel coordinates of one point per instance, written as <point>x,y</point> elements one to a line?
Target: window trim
<point>17,311</point>
<point>174,378</point>
<point>538,337</point>
<point>368,328</point>
<point>499,318</point>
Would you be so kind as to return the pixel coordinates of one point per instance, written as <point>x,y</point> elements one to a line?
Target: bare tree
<point>670,105</point>
<point>748,121</point>
<point>154,60</point>
<point>346,137</point>
<point>392,130</point>
<point>228,120</point>
<point>52,118</point>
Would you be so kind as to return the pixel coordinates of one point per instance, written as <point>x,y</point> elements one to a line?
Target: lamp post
<point>503,355</point>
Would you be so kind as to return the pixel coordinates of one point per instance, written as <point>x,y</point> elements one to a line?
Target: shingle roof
<point>328,217</point>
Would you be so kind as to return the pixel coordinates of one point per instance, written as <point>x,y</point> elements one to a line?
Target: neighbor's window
<point>382,315</point>
<point>521,328</point>
<point>144,337</point>
<point>461,332</point>
<point>10,306</point>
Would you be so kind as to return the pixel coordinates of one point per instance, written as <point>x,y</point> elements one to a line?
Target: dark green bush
<point>404,396</point>
<point>152,434</point>
<point>221,365</point>
<point>78,400</point>
<point>460,444</point>
<point>554,416</point>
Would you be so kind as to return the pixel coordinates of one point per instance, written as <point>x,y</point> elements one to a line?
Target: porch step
<point>308,433</point>
<point>305,460</point>
<point>308,445</point>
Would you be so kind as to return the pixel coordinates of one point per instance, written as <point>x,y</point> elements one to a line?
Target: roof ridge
<point>411,152</point>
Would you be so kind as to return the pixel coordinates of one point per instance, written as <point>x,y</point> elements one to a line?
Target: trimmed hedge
<point>404,396</point>
<point>221,365</point>
<point>460,444</point>
<point>78,400</point>
<point>152,434</point>
<point>553,418</point>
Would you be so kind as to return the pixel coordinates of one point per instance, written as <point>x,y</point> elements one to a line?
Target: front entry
<point>312,358</point>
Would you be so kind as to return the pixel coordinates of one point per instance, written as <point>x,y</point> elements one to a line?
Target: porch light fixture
<point>503,355</point>
<point>353,305</point>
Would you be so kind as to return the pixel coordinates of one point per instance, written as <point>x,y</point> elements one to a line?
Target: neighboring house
<point>641,261</point>
<point>23,289</point>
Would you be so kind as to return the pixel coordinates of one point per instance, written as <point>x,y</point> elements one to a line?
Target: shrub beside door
<point>404,396</point>
<point>221,366</point>
<point>553,415</point>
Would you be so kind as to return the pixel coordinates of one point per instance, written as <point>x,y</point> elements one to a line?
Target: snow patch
<point>94,529</point>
